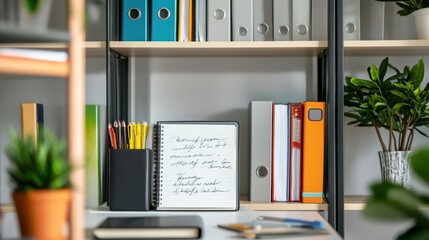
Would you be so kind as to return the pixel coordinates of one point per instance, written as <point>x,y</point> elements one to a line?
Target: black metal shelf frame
<point>330,90</point>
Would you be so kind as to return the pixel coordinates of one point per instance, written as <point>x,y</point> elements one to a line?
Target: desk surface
<point>211,219</point>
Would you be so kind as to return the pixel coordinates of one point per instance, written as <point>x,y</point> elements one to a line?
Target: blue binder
<point>164,20</point>
<point>135,20</point>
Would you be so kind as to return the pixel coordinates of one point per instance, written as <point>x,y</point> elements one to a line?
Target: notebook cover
<point>145,225</point>
<point>157,169</point>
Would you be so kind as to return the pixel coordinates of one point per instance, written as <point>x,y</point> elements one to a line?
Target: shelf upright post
<point>117,68</point>
<point>76,115</point>
<point>335,99</point>
<point>339,138</point>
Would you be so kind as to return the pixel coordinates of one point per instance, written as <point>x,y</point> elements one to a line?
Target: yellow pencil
<point>138,137</point>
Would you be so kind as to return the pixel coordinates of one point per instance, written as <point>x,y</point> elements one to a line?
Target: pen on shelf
<point>293,222</point>
<point>124,135</point>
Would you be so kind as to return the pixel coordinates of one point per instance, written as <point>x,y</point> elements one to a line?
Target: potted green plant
<point>420,11</point>
<point>390,202</point>
<point>396,103</point>
<point>40,175</point>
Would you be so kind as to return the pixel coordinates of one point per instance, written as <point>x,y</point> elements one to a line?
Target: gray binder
<point>218,20</point>
<point>200,20</point>
<point>319,20</point>
<point>351,19</point>
<point>372,20</point>
<point>301,20</point>
<point>282,20</point>
<point>260,150</point>
<point>242,20</point>
<point>262,20</point>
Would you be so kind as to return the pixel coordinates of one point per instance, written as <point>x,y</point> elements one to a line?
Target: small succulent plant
<point>38,165</point>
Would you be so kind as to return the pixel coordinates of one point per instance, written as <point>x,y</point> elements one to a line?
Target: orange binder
<point>314,152</point>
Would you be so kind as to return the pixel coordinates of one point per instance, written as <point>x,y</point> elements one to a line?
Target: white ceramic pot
<point>395,167</point>
<point>421,17</point>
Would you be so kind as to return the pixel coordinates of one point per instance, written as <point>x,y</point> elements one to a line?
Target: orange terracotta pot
<point>42,214</point>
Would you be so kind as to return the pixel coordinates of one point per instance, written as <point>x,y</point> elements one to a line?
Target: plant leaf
<point>383,68</point>
<point>418,73</point>
<point>380,209</point>
<point>399,94</point>
<point>415,233</point>
<point>419,163</point>
<point>363,83</point>
<point>32,5</point>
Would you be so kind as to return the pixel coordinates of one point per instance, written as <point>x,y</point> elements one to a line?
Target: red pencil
<point>112,137</point>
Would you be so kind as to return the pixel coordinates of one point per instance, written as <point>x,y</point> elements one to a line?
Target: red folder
<point>296,152</point>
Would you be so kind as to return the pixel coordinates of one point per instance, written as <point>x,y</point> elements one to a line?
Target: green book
<point>95,147</point>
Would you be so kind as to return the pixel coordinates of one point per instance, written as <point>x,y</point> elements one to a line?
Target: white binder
<point>372,20</point>
<point>282,19</point>
<point>260,150</point>
<point>301,20</point>
<point>218,20</point>
<point>242,20</point>
<point>262,20</point>
<point>319,20</point>
<point>352,19</point>
<point>200,20</point>
<point>183,21</point>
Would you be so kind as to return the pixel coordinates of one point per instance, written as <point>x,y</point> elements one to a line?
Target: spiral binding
<point>158,141</point>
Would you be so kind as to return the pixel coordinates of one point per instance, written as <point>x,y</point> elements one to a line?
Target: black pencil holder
<point>130,179</point>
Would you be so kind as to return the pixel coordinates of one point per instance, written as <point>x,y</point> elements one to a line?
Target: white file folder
<point>262,20</point>
<point>218,20</point>
<point>242,20</point>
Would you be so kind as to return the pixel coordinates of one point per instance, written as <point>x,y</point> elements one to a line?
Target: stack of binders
<point>232,20</point>
<point>287,151</point>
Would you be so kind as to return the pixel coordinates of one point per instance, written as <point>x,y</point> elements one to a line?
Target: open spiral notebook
<point>196,165</point>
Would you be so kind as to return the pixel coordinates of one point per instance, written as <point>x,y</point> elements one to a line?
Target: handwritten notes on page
<point>198,165</point>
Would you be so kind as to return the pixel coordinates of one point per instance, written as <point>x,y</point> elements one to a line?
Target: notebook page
<point>198,166</point>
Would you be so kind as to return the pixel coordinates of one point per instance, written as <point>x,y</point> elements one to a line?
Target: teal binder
<point>135,20</point>
<point>164,20</point>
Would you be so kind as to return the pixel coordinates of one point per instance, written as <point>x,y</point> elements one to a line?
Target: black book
<point>161,227</point>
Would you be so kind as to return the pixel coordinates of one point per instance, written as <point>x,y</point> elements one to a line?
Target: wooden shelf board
<point>93,48</point>
<point>7,208</point>
<point>386,48</point>
<point>22,66</point>
<point>284,206</point>
<point>218,49</point>
<point>352,203</point>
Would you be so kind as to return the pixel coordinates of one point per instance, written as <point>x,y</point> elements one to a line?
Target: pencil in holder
<point>130,179</point>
